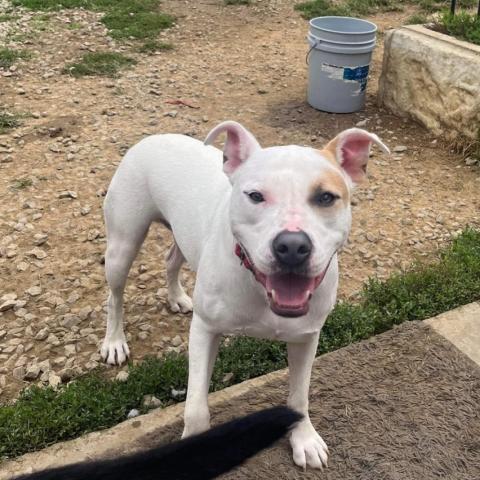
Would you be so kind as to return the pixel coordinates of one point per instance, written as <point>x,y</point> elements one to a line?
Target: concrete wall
<point>434,79</point>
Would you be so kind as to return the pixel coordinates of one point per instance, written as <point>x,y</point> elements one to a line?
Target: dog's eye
<point>325,199</point>
<point>255,197</point>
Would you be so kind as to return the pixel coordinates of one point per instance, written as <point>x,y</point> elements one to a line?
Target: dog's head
<point>290,208</point>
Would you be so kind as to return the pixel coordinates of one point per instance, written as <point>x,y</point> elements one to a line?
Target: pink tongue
<point>290,289</point>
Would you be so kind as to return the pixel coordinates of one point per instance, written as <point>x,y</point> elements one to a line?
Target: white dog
<point>262,235</point>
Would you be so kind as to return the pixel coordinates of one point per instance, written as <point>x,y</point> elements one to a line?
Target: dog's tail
<point>200,457</point>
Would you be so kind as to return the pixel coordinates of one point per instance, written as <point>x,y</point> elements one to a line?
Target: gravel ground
<point>242,63</point>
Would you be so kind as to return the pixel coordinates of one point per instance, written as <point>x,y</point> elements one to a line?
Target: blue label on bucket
<point>358,73</point>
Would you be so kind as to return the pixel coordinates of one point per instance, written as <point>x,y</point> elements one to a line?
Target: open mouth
<point>288,293</point>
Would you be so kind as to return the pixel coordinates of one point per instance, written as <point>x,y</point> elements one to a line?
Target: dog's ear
<point>240,144</point>
<point>351,149</point>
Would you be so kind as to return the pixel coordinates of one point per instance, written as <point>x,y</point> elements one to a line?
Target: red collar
<point>244,260</point>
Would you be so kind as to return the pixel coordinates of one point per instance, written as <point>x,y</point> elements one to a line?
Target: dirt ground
<point>402,405</point>
<point>245,63</point>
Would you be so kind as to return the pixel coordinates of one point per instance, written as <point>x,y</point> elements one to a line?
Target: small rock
<point>133,413</point>
<point>176,341</point>
<point>227,377</point>
<point>178,394</point>
<point>19,373</point>
<point>68,194</point>
<point>42,334</point>
<point>69,320</point>
<point>400,149</point>
<point>53,340</point>
<point>32,373</point>
<point>142,335</point>
<point>469,161</point>
<point>7,305</point>
<point>59,361</point>
<point>85,312</point>
<point>22,266</point>
<point>70,350</point>
<point>362,123</point>
<point>38,253</point>
<point>34,291</point>
<point>40,239</point>
<point>150,401</point>
<point>54,380</point>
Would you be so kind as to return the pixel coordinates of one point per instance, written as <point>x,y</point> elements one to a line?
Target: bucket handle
<point>316,42</point>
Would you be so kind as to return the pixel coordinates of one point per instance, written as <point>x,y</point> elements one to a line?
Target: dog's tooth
<point>273,295</point>
<point>309,295</point>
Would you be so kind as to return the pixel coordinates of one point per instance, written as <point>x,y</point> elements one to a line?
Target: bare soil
<point>245,63</point>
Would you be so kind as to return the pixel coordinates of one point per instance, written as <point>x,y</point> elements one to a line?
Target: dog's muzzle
<point>288,293</point>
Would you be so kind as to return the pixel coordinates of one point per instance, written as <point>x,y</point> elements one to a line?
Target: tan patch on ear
<point>330,156</point>
<point>331,146</point>
<point>333,182</point>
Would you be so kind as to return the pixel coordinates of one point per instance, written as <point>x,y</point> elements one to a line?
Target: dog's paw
<point>115,351</point>
<point>308,447</point>
<point>181,303</point>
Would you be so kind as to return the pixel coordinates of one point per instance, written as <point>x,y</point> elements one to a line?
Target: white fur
<point>177,180</point>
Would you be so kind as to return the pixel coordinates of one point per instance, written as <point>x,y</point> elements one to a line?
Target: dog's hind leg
<point>124,239</point>
<point>178,300</point>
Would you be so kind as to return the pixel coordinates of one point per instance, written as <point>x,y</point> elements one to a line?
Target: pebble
<point>178,394</point>
<point>19,372</point>
<point>32,373</point>
<point>42,334</point>
<point>34,291</point>
<point>176,341</point>
<point>38,253</point>
<point>54,380</point>
<point>68,194</point>
<point>400,149</point>
<point>150,401</point>
<point>7,305</point>
<point>133,413</point>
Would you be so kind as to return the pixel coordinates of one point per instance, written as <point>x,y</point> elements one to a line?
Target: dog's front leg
<point>308,447</point>
<point>202,351</point>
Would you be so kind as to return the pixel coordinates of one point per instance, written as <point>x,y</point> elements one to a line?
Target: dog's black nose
<point>292,249</point>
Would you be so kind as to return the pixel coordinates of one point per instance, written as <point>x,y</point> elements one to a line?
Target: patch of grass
<point>462,25</point>
<point>8,120</point>
<point>43,416</point>
<point>137,25</point>
<point>152,46</point>
<point>99,63</point>
<point>124,18</point>
<point>349,8</point>
<point>416,19</point>
<point>9,56</point>
<point>21,183</point>
<point>74,26</point>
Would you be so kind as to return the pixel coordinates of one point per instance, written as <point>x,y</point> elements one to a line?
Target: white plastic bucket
<point>339,60</point>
